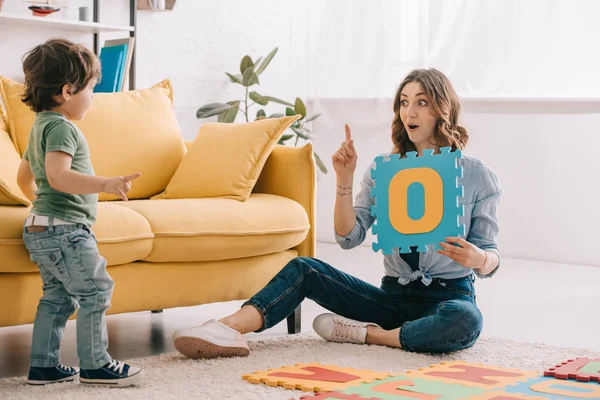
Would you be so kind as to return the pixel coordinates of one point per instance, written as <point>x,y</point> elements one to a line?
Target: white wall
<point>193,46</point>
<point>546,156</point>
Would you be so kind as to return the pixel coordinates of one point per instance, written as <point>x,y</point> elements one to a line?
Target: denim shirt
<point>482,192</point>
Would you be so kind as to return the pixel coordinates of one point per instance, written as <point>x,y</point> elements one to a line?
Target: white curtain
<point>363,48</point>
<point>533,48</point>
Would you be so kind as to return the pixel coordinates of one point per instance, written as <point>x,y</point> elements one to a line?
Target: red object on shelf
<point>42,11</point>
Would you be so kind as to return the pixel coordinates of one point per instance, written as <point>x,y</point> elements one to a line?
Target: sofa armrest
<point>290,172</point>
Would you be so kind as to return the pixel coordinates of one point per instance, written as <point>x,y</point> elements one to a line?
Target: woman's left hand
<point>468,255</point>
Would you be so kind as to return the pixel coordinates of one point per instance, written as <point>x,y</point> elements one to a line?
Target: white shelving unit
<point>55,23</point>
<point>95,28</point>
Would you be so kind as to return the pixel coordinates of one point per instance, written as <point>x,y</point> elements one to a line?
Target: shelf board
<point>55,23</point>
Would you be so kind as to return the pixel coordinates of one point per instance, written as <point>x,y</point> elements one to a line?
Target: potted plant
<point>250,72</point>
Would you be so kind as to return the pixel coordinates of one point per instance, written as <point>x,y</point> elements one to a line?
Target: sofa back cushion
<point>10,194</point>
<point>127,132</point>
<point>226,160</point>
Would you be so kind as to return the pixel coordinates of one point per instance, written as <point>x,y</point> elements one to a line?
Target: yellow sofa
<point>176,242</point>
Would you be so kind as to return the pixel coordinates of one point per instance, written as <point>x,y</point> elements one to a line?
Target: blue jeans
<point>72,272</point>
<point>439,318</point>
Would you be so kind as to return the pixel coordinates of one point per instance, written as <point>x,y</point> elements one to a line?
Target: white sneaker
<point>336,328</point>
<point>210,340</point>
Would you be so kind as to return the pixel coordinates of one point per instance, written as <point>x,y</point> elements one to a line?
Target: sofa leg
<point>157,311</point>
<point>294,321</point>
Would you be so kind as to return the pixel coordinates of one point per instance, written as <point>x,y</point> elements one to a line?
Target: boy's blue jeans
<point>439,318</point>
<point>72,272</point>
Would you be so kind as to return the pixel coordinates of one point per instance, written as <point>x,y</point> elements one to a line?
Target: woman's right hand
<point>344,159</point>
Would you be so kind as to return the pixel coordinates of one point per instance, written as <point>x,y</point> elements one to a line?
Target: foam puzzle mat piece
<point>314,377</point>
<point>556,389</point>
<point>581,369</point>
<point>473,375</point>
<point>336,396</point>
<point>501,395</point>
<point>400,387</point>
<point>436,202</point>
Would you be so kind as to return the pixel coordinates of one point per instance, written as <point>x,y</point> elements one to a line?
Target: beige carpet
<point>171,376</point>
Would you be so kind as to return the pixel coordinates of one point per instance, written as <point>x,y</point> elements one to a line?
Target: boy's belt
<point>42,220</point>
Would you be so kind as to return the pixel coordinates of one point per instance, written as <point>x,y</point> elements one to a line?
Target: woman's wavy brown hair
<point>445,105</point>
<point>50,66</point>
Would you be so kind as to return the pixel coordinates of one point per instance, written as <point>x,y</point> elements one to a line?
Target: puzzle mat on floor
<point>573,379</point>
<point>416,200</point>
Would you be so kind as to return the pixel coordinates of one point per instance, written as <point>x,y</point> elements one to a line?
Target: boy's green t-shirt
<point>51,131</point>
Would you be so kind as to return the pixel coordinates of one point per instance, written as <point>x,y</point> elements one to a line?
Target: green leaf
<point>289,112</point>
<point>301,132</point>
<point>235,78</point>
<point>212,109</point>
<point>257,62</point>
<point>266,62</point>
<point>229,115</point>
<point>261,114</point>
<point>278,101</point>
<point>249,78</point>
<point>246,63</point>
<point>285,138</point>
<point>300,107</point>
<point>312,118</point>
<point>253,80</point>
<point>259,99</point>
<point>276,115</point>
<point>320,163</point>
<point>247,75</point>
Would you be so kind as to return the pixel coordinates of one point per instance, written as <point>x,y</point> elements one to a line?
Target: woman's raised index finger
<point>348,133</point>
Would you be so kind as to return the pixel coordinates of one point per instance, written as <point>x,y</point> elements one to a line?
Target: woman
<point>426,302</point>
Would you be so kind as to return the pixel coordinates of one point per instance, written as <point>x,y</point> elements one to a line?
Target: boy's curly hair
<point>50,66</point>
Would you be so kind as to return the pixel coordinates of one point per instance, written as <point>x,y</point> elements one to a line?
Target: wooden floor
<point>527,301</point>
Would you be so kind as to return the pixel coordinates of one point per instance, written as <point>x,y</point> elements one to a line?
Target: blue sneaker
<point>115,374</point>
<point>44,376</point>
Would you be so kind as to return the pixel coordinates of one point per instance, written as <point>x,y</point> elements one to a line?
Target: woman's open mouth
<point>412,127</point>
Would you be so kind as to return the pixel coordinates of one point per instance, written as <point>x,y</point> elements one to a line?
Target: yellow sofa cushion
<point>19,117</point>
<point>219,229</point>
<point>123,236</point>
<point>127,132</point>
<point>10,193</point>
<point>225,160</point>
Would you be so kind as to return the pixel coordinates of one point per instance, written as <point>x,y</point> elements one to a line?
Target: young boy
<point>57,175</point>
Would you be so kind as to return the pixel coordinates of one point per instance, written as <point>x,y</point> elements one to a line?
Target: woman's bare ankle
<point>380,336</point>
<point>246,319</point>
<point>372,333</point>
